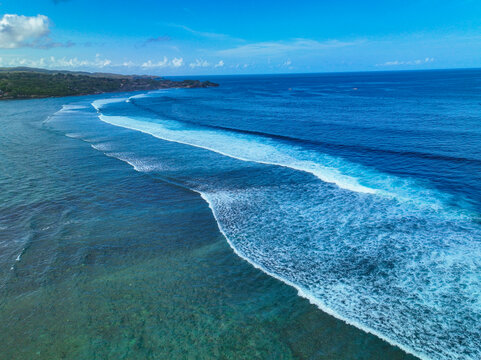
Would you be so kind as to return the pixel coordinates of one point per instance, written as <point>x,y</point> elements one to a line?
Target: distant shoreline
<point>28,83</point>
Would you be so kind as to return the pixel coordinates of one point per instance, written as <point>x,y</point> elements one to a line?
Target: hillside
<point>28,83</point>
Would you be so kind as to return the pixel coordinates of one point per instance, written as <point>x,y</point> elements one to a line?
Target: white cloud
<point>150,64</point>
<point>177,62</point>
<point>99,62</point>
<point>199,63</point>
<point>58,63</point>
<point>64,62</point>
<point>288,62</point>
<point>20,31</point>
<point>410,62</point>
<point>270,48</point>
<point>67,63</point>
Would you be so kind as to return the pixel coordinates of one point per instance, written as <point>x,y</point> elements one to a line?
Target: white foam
<point>71,107</point>
<point>295,239</point>
<point>244,148</point>
<point>252,148</point>
<point>139,96</point>
<point>301,291</point>
<point>139,165</point>
<point>322,250</point>
<point>306,293</point>
<point>65,110</point>
<point>17,259</point>
<point>102,146</point>
<point>74,135</point>
<point>98,104</point>
<point>152,93</point>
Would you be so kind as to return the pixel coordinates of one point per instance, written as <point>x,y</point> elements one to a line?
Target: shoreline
<point>28,84</point>
<point>92,94</point>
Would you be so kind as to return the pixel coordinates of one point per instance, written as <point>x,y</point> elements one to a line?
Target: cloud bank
<point>22,31</point>
<point>59,63</point>
<point>199,63</point>
<point>410,62</point>
<point>175,62</point>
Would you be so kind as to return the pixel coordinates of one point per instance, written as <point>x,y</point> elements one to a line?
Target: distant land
<point>31,83</point>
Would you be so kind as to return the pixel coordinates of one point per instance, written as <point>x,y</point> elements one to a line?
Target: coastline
<point>91,94</point>
<point>357,330</point>
<point>29,83</point>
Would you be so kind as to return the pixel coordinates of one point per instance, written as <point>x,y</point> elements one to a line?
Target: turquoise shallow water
<point>99,261</point>
<point>127,218</point>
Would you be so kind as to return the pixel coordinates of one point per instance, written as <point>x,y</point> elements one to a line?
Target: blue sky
<point>240,37</point>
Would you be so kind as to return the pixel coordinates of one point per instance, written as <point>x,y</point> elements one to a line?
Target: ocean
<point>307,216</point>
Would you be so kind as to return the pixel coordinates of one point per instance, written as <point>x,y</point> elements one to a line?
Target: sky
<point>240,37</point>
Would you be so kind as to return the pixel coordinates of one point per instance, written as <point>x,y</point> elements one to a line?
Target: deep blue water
<point>362,191</point>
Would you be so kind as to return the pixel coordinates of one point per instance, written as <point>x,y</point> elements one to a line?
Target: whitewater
<point>382,253</point>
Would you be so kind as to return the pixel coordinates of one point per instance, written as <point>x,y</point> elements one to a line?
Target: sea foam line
<point>301,291</point>
<point>348,183</point>
<point>326,169</point>
<point>380,185</point>
<point>328,175</point>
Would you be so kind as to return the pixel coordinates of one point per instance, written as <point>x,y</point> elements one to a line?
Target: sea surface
<point>313,216</point>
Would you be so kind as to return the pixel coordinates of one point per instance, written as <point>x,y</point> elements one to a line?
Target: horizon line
<point>4,68</point>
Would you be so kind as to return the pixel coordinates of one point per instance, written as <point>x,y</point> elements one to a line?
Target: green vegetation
<point>25,83</point>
